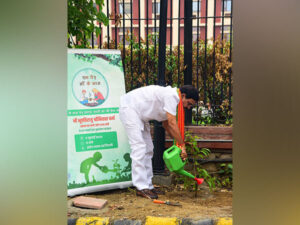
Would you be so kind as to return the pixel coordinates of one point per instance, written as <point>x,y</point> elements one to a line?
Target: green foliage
<point>193,149</point>
<point>199,153</point>
<point>222,178</point>
<point>205,120</point>
<point>196,153</point>
<point>82,16</point>
<point>141,69</point>
<point>225,173</point>
<point>212,181</point>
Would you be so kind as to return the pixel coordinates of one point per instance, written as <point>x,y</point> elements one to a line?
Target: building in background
<point>142,18</point>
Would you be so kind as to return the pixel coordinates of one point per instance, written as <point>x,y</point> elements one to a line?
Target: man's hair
<point>190,91</point>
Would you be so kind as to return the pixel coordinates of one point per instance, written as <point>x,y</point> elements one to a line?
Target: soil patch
<point>124,204</point>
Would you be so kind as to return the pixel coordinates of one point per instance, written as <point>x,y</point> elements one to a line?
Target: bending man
<point>137,108</point>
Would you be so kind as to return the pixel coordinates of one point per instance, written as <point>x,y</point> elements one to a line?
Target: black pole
<point>116,28</point>
<point>100,38</point>
<point>147,42</point>
<point>178,57</point>
<point>213,103</point>
<point>230,56</point>
<point>131,37</point>
<point>107,14</point>
<point>162,42</point>
<point>124,37</point>
<point>159,132</point>
<point>92,39</point>
<point>139,15</point>
<point>188,50</point>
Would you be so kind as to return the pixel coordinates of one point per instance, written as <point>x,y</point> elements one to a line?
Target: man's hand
<point>183,153</point>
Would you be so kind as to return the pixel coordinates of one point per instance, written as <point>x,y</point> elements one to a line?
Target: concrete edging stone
<point>176,221</point>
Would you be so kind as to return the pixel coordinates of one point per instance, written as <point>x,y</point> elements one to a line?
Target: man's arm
<point>172,128</point>
<point>166,127</point>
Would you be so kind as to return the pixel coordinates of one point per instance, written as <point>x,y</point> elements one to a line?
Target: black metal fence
<point>205,24</point>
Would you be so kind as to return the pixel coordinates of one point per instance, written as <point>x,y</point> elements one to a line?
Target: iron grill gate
<point>134,29</point>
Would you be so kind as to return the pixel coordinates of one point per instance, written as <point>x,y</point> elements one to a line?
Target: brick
<point>88,202</point>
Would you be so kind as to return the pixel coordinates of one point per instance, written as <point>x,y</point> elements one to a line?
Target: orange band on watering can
<point>180,116</point>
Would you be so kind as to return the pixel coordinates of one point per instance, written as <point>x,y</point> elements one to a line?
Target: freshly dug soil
<point>124,204</point>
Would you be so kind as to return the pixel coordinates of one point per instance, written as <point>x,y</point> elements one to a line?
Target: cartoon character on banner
<point>86,165</point>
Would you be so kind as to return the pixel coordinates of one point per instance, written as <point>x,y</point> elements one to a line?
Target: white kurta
<point>137,108</point>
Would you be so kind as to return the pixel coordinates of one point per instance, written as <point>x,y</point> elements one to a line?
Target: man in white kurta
<point>137,108</point>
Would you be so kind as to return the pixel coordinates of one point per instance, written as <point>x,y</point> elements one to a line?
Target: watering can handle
<point>169,150</point>
<point>184,160</point>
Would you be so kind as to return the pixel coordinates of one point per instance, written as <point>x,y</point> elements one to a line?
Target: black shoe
<point>146,193</point>
<point>157,191</point>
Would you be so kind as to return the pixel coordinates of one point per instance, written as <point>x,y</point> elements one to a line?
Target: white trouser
<point>141,145</point>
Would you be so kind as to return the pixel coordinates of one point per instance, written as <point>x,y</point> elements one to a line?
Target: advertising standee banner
<point>98,148</point>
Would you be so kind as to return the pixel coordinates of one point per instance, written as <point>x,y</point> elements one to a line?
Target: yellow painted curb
<point>150,220</point>
<point>224,221</point>
<point>92,221</point>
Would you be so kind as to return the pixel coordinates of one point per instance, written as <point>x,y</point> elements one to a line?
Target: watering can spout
<point>199,180</point>
<point>185,173</point>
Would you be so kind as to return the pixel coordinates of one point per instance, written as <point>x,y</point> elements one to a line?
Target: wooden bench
<point>211,137</point>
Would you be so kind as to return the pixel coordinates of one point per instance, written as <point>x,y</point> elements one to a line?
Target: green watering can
<point>175,164</point>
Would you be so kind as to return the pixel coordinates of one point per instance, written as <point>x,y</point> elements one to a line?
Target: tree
<point>82,15</point>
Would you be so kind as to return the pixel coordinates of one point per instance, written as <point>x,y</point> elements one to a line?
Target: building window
<point>226,34</point>
<point>156,8</point>
<point>195,30</point>
<point>227,5</point>
<point>195,6</point>
<point>93,39</point>
<point>196,34</point>
<point>154,32</point>
<point>126,30</point>
<point>127,8</point>
<point>121,37</point>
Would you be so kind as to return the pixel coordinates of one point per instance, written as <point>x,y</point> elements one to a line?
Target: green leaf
<point>81,18</point>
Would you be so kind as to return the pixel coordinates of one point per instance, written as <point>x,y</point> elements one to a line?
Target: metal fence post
<point>188,50</point>
<point>159,132</point>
